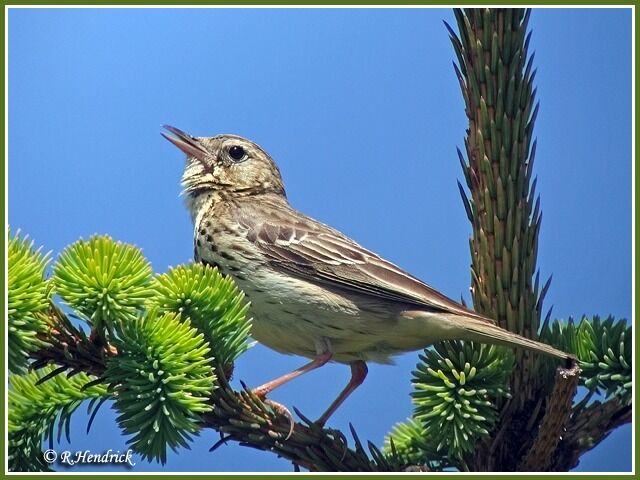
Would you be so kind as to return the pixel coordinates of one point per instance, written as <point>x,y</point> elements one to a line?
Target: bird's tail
<point>485,332</point>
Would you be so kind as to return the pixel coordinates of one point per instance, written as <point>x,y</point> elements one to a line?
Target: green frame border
<point>328,4</point>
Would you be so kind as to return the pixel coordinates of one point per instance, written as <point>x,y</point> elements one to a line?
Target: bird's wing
<point>301,246</point>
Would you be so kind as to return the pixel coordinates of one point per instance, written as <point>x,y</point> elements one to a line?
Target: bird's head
<point>226,163</point>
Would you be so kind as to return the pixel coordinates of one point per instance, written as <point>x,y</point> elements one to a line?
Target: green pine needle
<point>213,304</point>
<point>36,410</point>
<point>604,350</point>
<point>410,441</point>
<point>162,379</point>
<point>28,299</point>
<point>105,280</point>
<point>455,385</point>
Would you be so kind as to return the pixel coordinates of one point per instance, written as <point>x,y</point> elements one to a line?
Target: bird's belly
<point>295,316</point>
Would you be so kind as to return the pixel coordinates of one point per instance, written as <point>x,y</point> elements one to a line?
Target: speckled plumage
<point>314,292</point>
<point>251,240</point>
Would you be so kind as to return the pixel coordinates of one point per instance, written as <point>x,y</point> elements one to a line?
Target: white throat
<point>198,205</point>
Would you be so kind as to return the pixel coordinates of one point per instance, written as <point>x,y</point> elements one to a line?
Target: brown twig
<point>587,429</point>
<point>558,412</point>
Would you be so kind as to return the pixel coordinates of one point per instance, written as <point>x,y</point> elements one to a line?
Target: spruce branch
<point>36,407</point>
<point>528,429</point>
<point>540,455</point>
<point>588,427</point>
<point>28,299</point>
<point>242,417</point>
<point>239,416</point>
<point>496,76</point>
<point>410,441</point>
<point>161,380</point>
<point>68,347</point>
<point>603,348</point>
<point>455,383</point>
<point>213,304</point>
<point>103,280</point>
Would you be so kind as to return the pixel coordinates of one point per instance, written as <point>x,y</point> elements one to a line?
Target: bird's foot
<point>261,395</point>
<point>281,409</point>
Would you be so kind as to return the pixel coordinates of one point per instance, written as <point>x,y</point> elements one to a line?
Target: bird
<point>313,291</point>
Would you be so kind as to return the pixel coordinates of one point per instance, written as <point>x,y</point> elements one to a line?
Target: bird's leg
<point>320,360</point>
<point>358,374</point>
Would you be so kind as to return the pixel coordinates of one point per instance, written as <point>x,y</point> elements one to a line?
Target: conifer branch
<point>238,416</point>
<point>527,421</point>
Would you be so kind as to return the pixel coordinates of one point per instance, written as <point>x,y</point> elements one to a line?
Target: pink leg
<point>317,362</point>
<point>358,374</point>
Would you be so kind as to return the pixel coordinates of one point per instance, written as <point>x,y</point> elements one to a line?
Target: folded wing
<point>311,250</point>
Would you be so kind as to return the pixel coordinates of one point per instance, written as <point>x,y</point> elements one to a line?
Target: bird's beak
<point>185,142</point>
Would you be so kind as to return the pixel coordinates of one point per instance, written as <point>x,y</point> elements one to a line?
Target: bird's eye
<point>237,153</point>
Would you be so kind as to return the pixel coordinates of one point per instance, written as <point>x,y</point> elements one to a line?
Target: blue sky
<point>362,111</point>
